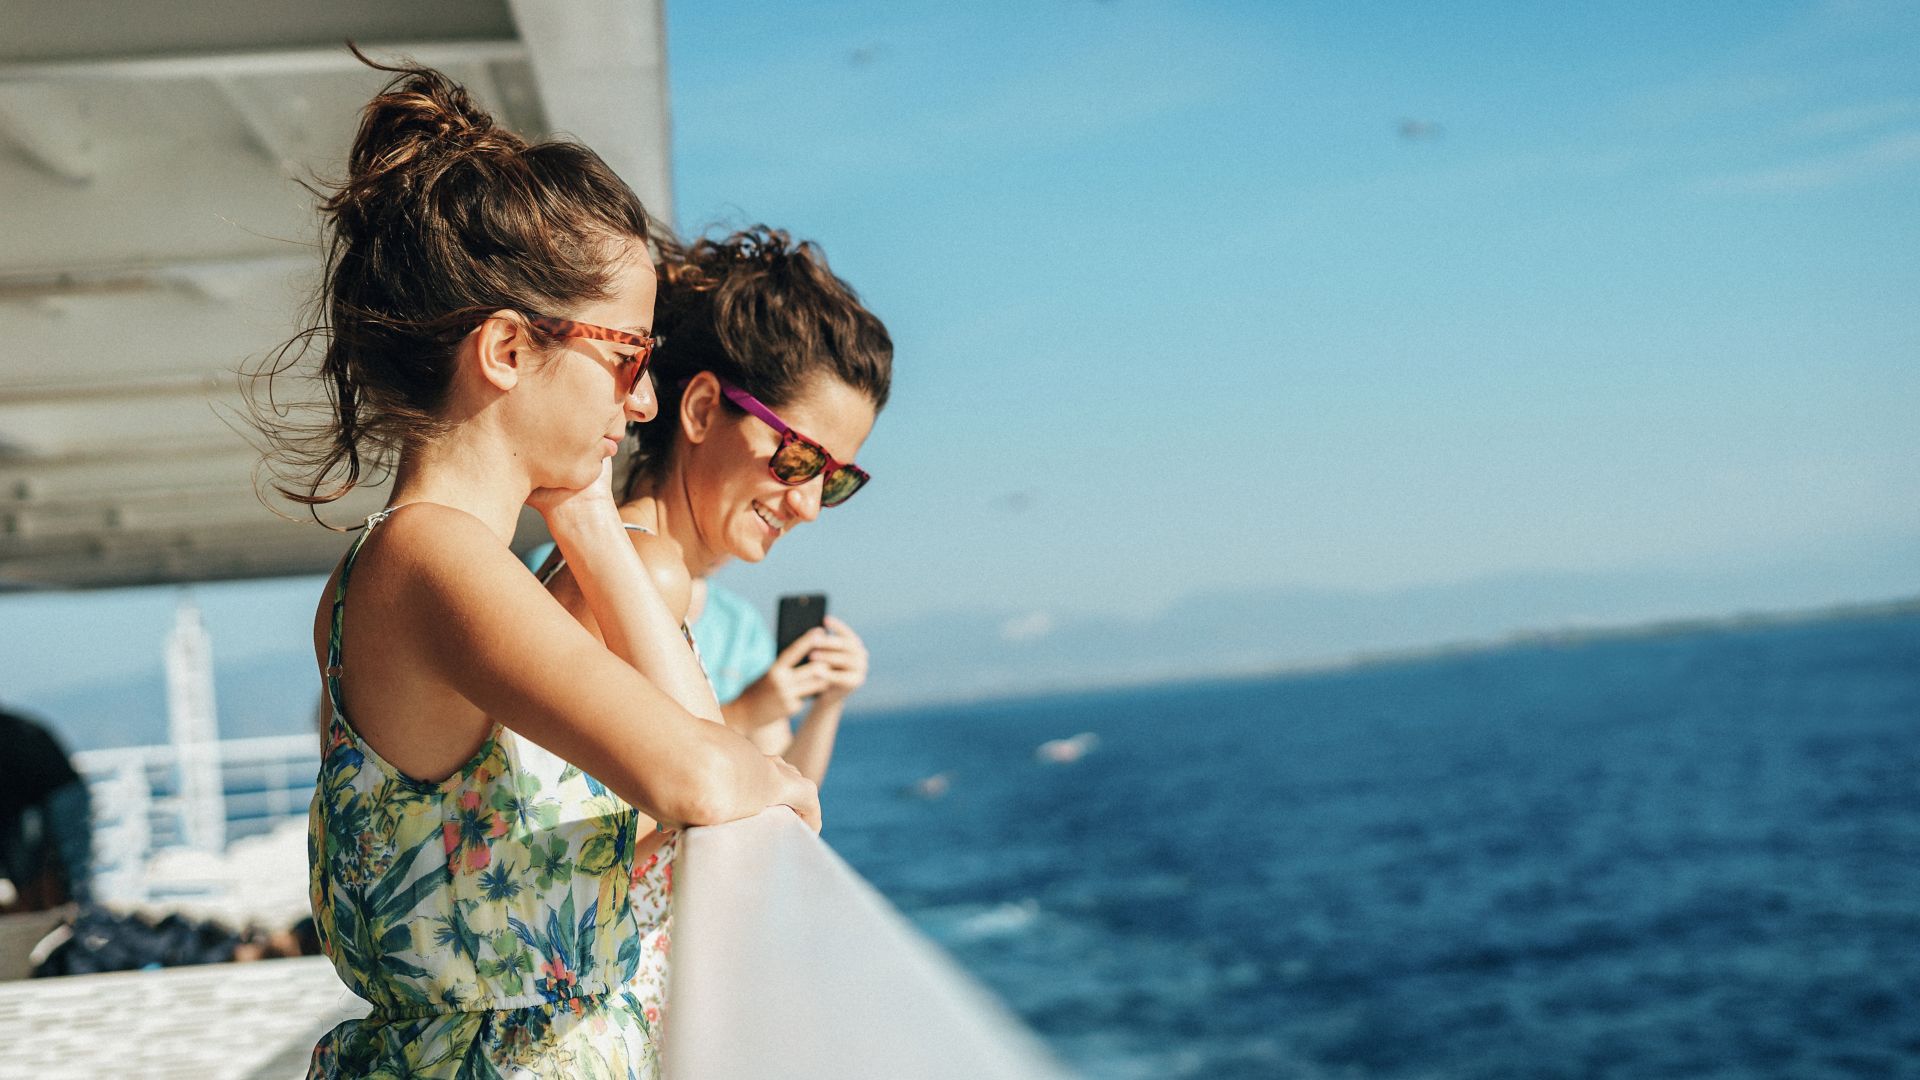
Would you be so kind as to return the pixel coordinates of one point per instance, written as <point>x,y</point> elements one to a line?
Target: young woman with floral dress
<point>493,828</point>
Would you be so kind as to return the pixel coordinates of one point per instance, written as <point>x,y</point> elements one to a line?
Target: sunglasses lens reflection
<point>840,486</point>
<point>797,463</point>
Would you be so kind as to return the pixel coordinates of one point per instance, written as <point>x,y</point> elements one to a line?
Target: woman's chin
<point>753,549</point>
<point>574,479</point>
<point>590,471</point>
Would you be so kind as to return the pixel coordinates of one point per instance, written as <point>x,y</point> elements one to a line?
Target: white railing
<point>787,963</point>
<point>139,807</point>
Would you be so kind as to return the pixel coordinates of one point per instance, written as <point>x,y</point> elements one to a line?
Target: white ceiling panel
<point>154,242</point>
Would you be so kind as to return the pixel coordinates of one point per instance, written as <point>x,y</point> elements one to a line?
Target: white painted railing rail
<point>139,807</point>
<point>787,963</point>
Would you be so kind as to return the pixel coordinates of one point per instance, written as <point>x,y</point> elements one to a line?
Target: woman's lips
<point>612,444</point>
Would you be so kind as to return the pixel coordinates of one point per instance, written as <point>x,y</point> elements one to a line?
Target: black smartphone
<point>798,614</point>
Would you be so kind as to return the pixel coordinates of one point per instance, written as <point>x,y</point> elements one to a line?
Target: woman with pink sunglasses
<point>770,375</point>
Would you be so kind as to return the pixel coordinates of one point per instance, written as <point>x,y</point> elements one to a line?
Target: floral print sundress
<point>497,921</point>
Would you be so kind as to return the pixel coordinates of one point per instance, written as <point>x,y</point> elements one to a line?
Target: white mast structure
<point>193,730</point>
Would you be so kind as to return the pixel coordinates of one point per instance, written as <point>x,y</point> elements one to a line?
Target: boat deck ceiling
<point>158,242</point>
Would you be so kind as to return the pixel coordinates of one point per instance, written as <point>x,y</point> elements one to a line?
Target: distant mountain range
<point>950,657</point>
<point>959,657</point>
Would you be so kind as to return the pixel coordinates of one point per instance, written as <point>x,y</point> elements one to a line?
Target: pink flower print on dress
<point>640,870</point>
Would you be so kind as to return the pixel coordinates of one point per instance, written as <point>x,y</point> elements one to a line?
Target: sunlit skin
<point>446,634</point>
<point>717,501</point>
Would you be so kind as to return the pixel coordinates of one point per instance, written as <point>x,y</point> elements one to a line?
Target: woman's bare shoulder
<point>665,565</point>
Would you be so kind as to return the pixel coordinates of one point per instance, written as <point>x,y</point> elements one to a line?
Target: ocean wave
<point>962,923</point>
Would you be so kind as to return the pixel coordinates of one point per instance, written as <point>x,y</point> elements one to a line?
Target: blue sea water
<point>1684,856</point>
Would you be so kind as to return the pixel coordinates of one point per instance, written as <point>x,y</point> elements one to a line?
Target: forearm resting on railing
<point>740,781</point>
<point>671,765</point>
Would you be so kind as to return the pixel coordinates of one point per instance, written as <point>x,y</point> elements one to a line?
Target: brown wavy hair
<point>443,218</point>
<point>763,313</point>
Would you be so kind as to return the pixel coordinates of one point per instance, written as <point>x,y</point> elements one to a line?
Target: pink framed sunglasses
<point>646,343</point>
<point>800,459</point>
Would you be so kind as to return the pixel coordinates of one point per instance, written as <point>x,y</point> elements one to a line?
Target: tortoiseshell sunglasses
<point>646,343</point>
<point>800,459</point>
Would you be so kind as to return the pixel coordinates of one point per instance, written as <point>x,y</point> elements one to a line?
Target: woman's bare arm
<point>812,748</point>
<point>492,634</point>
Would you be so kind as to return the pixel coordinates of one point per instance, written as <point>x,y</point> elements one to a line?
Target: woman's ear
<point>700,407</point>
<point>503,349</point>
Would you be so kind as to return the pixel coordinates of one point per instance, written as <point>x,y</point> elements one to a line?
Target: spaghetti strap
<point>560,561</point>
<point>338,618</point>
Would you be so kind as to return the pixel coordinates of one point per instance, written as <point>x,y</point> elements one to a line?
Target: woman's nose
<point>642,404</point>
<point>803,501</point>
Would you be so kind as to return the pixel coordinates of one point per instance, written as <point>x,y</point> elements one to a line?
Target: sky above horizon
<point>1193,299</point>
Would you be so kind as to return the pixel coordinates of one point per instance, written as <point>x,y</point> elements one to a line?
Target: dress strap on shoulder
<point>558,562</point>
<point>338,618</point>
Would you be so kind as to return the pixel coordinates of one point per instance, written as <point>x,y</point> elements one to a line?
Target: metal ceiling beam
<point>261,128</point>
<point>273,63</point>
<point>601,66</point>
<point>29,531</point>
<point>196,385</point>
<point>212,278</point>
<point>50,129</point>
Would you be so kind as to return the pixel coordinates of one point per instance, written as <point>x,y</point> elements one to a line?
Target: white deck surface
<point>211,1022</point>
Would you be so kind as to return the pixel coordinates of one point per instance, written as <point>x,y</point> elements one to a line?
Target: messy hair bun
<point>443,218</point>
<point>763,313</point>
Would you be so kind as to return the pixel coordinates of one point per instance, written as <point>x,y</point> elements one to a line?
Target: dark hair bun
<point>417,128</point>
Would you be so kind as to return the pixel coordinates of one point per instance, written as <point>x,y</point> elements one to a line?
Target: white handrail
<point>139,807</point>
<point>787,963</point>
